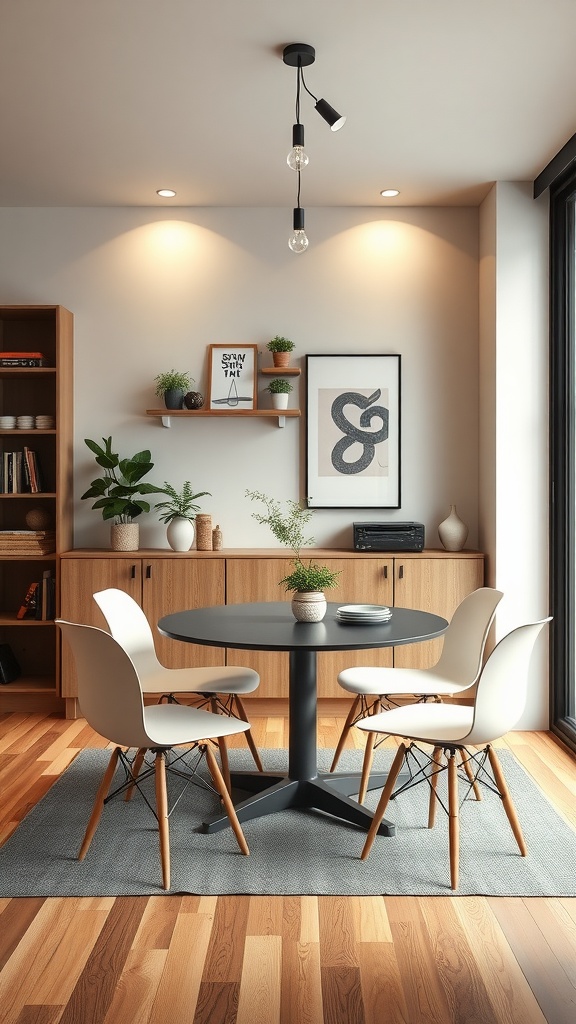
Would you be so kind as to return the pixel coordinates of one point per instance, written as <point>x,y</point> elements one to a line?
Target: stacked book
<point>20,473</point>
<point>27,542</point>
<point>16,359</point>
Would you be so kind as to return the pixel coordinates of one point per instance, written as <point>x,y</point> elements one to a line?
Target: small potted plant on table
<point>280,349</point>
<point>172,386</point>
<point>279,389</point>
<point>308,581</point>
<point>179,514</point>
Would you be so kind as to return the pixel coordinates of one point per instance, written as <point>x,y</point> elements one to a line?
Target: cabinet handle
<point>385,571</point>
<point>148,572</point>
<point>133,573</point>
<point>401,572</point>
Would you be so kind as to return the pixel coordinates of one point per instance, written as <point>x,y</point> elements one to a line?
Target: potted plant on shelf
<point>280,349</point>
<point>279,389</point>
<point>179,514</point>
<point>118,492</point>
<point>172,386</point>
<point>308,581</point>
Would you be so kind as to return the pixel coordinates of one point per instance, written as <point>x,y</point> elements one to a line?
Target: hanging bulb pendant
<point>298,241</point>
<point>297,158</point>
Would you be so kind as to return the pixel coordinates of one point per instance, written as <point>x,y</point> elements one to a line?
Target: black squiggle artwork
<point>367,438</point>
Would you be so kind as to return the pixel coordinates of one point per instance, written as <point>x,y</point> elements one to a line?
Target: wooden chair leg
<point>366,766</point>
<point>248,734</point>
<point>99,803</point>
<point>136,766</point>
<point>437,758</point>
<point>383,802</point>
<point>465,762</point>
<point>507,800</point>
<point>223,749</point>
<point>344,734</point>
<point>162,811</point>
<point>453,824</point>
<point>225,797</point>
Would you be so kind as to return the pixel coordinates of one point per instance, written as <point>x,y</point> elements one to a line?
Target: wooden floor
<point>277,960</point>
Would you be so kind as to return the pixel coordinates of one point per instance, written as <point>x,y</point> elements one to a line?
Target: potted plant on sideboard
<point>280,349</point>
<point>118,492</point>
<point>179,514</point>
<point>308,581</point>
<point>172,385</point>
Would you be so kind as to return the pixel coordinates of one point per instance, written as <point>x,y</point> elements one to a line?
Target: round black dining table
<point>271,626</point>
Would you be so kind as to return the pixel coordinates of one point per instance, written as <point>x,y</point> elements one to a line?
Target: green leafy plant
<point>181,503</point>
<point>279,344</point>
<point>173,380</point>
<point>288,524</point>
<point>118,490</point>
<point>279,386</point>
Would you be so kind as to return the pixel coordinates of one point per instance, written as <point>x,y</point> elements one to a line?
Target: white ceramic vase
<point>125,536</point>
<point>180,533</point>
<point>308,605</point>
<point>280,400</point>
<point>452,531</point>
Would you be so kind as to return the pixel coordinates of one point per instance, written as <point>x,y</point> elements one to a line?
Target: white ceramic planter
<point>180,533</point>
<point>280,400</point>
<point>308,605</point>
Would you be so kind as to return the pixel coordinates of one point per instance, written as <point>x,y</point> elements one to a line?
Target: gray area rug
<point>292,852</point>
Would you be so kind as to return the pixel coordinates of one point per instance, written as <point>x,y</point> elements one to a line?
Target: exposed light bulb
<point>298,241</point>
<point>297,158</point>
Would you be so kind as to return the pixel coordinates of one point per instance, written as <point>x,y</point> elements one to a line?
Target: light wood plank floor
<point>277,960</point>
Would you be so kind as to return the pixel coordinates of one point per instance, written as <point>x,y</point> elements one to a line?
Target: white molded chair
<point>451,729</point>
<point>111,701</point>
<point>457,670</point>
<point>218,687</point>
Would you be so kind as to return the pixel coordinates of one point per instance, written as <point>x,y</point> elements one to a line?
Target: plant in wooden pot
<point>118,492</point>
<point>280,349</point>
<point>172,385</point>
<point>179,514</point>
<point>279,390</point>
<point>307,580</point>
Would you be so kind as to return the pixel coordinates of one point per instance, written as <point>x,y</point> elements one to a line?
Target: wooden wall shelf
<point>166,414</point>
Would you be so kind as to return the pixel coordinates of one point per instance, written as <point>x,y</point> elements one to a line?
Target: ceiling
<point>104,101</point>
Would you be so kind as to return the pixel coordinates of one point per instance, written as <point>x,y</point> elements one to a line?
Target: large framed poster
<point>232,377</point>
<point>353,431</point>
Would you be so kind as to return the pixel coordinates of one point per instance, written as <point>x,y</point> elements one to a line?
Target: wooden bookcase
<point>36,391</point>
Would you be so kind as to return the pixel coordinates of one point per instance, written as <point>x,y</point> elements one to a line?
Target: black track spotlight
<point>331,116</point>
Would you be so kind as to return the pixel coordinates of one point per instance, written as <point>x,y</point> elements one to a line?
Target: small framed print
<point>232,377</point>
<point>353,431</point>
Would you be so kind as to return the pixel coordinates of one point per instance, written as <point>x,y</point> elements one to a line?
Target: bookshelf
<point>35,526</point>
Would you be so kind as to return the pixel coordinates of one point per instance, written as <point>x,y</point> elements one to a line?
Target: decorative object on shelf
<point>279,390</point>
<point>452,531</point>
<point>118,492</point>
<point>193,400</point>
<point>216,539</point>
<point>9,667</point>
<point>280,349</point>
<point>353,431</point>
<point>204,532</point>
<point>232,377</point>
<point>307,581</point>
<point>179,513</point>
<point>172,386</point>
<point>38,519</point>
<point>299,56</point>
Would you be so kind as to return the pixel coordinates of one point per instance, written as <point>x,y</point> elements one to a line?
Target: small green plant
<point>289,526</point>
<point>173,380</point>
<point>181,503</point>
<point>279,386</point>
<point>117,491</point>
<point>279,344</point>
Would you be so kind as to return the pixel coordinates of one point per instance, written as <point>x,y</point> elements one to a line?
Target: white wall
<point>151,290</point>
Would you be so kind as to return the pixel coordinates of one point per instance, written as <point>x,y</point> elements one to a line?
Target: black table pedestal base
<point>274,791</point>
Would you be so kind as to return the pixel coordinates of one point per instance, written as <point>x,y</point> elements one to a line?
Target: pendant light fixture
<point>299,56</point>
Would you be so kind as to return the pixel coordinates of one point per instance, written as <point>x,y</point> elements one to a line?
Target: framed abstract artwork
<point>232,377</point>
<point>353,431</point>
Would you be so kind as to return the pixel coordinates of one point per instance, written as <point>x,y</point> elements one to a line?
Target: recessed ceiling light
<point>389,192</point>
<point>166,193</point>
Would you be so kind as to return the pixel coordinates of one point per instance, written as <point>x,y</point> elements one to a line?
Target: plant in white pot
<point>179,514</point>
<point>279,390</point>
<point>172,385</point>
<point>308,581</point>
<point>118,492</point>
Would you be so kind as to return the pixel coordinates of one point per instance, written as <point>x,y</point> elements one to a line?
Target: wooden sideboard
<point>163,581</point>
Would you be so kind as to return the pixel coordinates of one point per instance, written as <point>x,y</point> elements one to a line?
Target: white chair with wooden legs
<point>111,701</point>
<point>457,670</point>
<point>452,729</point>
<point>218,688</point>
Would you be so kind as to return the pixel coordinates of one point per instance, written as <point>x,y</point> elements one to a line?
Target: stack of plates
<point>365,613</point>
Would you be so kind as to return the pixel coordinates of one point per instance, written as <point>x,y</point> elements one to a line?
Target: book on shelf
<point>27,542</point>
<point>39,601</point>
<point>16,359</point>
<point>20,473</point>
<point>28,606</point>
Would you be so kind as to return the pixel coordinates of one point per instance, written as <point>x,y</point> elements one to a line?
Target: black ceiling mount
<point>299,55</point>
